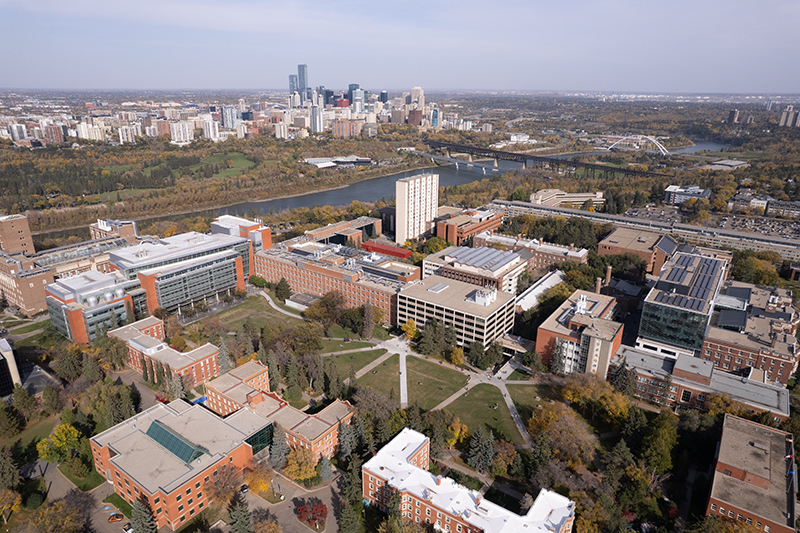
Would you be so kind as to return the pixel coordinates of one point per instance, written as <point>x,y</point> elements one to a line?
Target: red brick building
<point>458,227</point>
<point>239,387</point>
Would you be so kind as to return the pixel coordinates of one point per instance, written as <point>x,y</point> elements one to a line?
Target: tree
<point>494,354</point>
<point>300,464</point>
<point>399,525</point>
<point>558,359</point>
<point>504,455</point>
<point>268,526</point>
<point>659,443</point>
<point>410,329</point>
<point>477,355</point>
<point>59,444</point>
<point>456,432</point>
<point>625,379</point>
<point>533,360</point>
<point>23,402</point>
<point>50,402</point>
<point>352,483</point>
<point>224,358</point>
<point>307,338</point>
<point>634,428</point>
<point>258,281</point>
<point>58,517</point>
<point>9,501</point>
<point>457,356</point>
<point>481,450</point>
<point>260,478</point>
<point>272,370</point>
<point>10,477</point>
<point>526,503</point>
<point>369,321</point>
<point>9,423</point>
<point>142,518</point>
<point>319,513</point>
<point>91,369</point>
<point>278,450</point>
<point>394,505</point>
<point>324,467</point>
<point>292,372</point>
<point>239,516</point>
<point>176,387</point>
<point>347,441</point>
<point>282,290</point>
<point>348,521</point>
<point>68,365</point>
<point>429,340</point>
<point>145,372</point>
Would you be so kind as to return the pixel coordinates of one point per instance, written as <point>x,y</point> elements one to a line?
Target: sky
<point>676,46</point>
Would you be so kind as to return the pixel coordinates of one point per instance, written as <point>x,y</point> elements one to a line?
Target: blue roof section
<point>667,244</point>
<point>174,443</point>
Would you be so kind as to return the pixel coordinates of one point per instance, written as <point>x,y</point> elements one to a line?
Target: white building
<point>181,132</point>
<point>211,130</point>
<point>417,205</point>
<point>18,132</point>
<point>281,130</point>
<point>127,135</point>
<point>316,119</point>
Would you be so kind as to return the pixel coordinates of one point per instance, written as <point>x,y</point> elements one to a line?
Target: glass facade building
<point>674,326</point>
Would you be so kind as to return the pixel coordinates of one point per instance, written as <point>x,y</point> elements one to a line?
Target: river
<point>364,191</point>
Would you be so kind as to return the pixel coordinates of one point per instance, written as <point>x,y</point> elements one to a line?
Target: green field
<point>357,360</point>
<point>121,505</point>
<point>238,163</point>
<point>35,431</point>
<point>516,375</point>
<point>93,480</point>
<point>30,327</point>
<point>256,311</point>
<point>438,382</point>
<point>333,345</point>
<point>476,407</point>
<point>385,377</point>
<point>524,397</point>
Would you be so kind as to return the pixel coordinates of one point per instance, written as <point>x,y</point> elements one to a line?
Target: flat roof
<point>159,350</point>
<point>490,260</point>
<point>530,298</point>
<point>549,512</point>
<point>688,281</point>
<point>760,452</point>
<point>454,294</point>
<point>632,239</point>
<point>175,248</point>
<point>153,465</point>
<point>591,318</point>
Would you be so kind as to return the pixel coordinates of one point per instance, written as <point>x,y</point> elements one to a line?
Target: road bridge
<point>541,161</point>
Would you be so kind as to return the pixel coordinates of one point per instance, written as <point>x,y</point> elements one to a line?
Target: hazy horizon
<point>613,46</point>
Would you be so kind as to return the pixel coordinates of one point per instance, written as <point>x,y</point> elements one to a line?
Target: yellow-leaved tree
<point>300,464</point>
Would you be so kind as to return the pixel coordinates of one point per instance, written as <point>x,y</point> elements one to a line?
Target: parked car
<point>245,488</point>
<point>127,528</point>
<point>116,517</point>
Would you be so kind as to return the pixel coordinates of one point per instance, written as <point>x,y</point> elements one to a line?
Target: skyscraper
<point>418,96</point>
<point>302,79</point>
<point>384,97</point>
<point>293,84</point>
<point>417,205</point>
<point>229,117</point>
<point>316,119</point>
<point>350,88</point>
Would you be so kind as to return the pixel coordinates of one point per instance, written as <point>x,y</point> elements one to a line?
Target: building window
<point>731,514</point>
<point>713,506</point>
<point>188,491</point>
<point>158,511</point>
<point>686,396</point>
<point>178,498</point>
<point>183,518</point>
<point>197,485</point>
<point>739,518</point>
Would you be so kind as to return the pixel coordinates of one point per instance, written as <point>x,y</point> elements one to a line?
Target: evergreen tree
<point>533,360</point>
<point>540,453</point>
<point>113,323</point>
<point>118,408</point>
<point>292,372</point>
<point>349,521</point>
<point>130,316</point>
<point>10,477</point>
<point>142,518</point>
<point>449,338</point>
<point>415,418</point>
<point>477,355</point>
<point>352,484</point>
<point>624,380</point>
<point>91,369</point>
<point>282,290</point>
<point>145,375</point>
<point>239,515</point>
<point>69,364</point>
<point>394,505</point>
<point>50,401</point>
<point>634,429</point>
<point>369,321</point>
<point>325,471</point>
<point>272,370</point>
<point>159,373</point>
<point>224,358</point>
<point>428,344</point>
<point>279,449</point>
<point>347,441</point>
<point>9,423</point>
<point>558,359</point>
<point>481,449</point>
<point>494,354</point>
<point>333,381</point>
<point>23,401</point>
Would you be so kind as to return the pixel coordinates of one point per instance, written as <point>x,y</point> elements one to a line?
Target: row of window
<point>739,517</point>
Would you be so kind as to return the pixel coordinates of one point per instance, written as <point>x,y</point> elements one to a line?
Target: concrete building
<point>459,226</point>
<point>105,228</point>
<point>485,267</point>
<point>678,308</point>
<point>477,314</point>
<point>543,255</point>
<point>316,268</point>
<point>417,205</point>
<point>54,133</point>
<point>260,236</point>
<point>584,326</point>
<point>678,194</point>
<point>559,198</point>
<point>127,134</point>
<point>778,208</point>
<point>15,234</point>
<point>181,132</point>
<point>688,382</point>
<point>754,328</point>
<point>146,348</point>
<point>170,455</point>
<point>211,130</point>
<point>754,477</point>
<point>442,504</point>
<point>653,248</point>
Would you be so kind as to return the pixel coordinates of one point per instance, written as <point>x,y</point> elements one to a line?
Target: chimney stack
<point>438,480</point>
<point>571,247</point>
<point>608,276</point>
<point>598,284</point>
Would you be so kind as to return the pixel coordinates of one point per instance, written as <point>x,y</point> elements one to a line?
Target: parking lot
<point>665,214</point>
<point>789,229</point>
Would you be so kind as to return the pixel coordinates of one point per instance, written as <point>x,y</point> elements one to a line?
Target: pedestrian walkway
<point>278,308</point>
<point>368,348</point>
<point>487,482</point>
<point>403,381</point>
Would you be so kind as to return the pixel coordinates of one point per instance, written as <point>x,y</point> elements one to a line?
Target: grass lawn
<point>33,433</point>
<point>385,377</point>
<point>516,375</point>
<point>86,484</point>
<point>44,340</point>
<point>337,331</point>
<point>357,360</point>
<point>238,160</point>
<point>524,397</point>
<point>476,407</point>
<point>332,345</point>
<point>438,382</point>
<point>117,501</point>
<point>30,327</point>
<point>23,515</point>
<point>255,310</point>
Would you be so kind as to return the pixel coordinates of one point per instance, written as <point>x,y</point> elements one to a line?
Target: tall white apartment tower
<point>316,119</point>
<point>417,203</point>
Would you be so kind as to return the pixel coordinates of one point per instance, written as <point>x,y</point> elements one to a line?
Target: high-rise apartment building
<point>53,134</point>
<point>211,130</point>
<point>384,97</point>
<point>316,119</point>
<point>302,80</point>
<point>15,234</point>
<point>293,84</point>
<point>127,135</point>
<point>18,132</point>
<point>418,97</point>
<point>350,88</point>
<point>181,132</point>
<point>417,205</point>
<point>229,117</point>
<point>733,116</point>
<point>281,130</point>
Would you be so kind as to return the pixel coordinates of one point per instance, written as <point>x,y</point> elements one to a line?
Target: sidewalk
<point>487,482</point>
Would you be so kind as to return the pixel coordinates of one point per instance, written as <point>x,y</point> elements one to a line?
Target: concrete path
<point>368,348</point>
<point>130,376</point>
<point>377,362</point>
<point>487,482</point>
<point>403,381</point>
<point>277,308</point>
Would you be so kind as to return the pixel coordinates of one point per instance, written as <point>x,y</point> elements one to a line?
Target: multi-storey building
<point>170,455</point>
<point>559,198</point>
<point>542,255</point>
<point>458,226</point>
<point>186,268</point>
<point>778,208</point>
<point>753,328</point>
<point>688,382</point>
<point>754,477</point>
<point>486,267</point>
<point>585,328</point>
<point>146,348</point>
<point>105,228</point>
<point>478,314</point>
<point>260,236</point>
<point>15,234</point>
<point>234,390</point>
<point>54,134</point>
<point>442,504</point>
<point>127,134</point>
<point>417,206</point>
<point>80,306</point>
<point>316,268</point>
<point>678,194</point>
<point>678,308</point>
<point>653,248</point>
<point>211,130</point>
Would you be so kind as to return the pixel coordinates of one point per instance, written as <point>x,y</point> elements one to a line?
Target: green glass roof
<point>174,443</point>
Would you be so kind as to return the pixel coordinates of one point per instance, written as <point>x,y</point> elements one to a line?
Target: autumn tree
<point>57,517</point>
<point>300,464</point>
<point>59,445</point>
<point>10,501</point>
